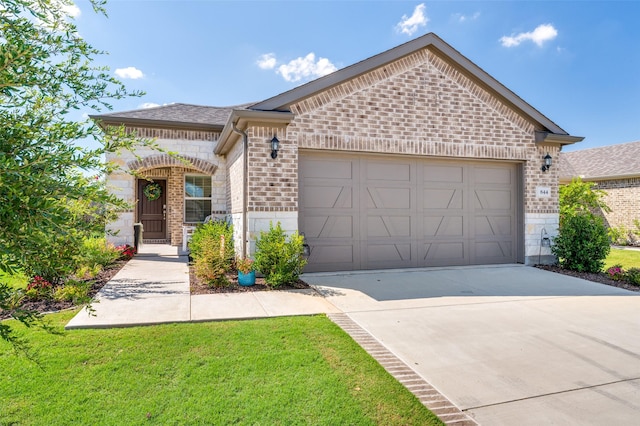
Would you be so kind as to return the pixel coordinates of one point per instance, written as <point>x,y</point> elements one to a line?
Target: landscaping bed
<point>52,305</point>
<point>600,277</point>
<point>198,286</point>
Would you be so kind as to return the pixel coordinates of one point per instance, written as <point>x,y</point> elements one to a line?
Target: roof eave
<point>555,139</point>
<point>104,120</point>
<point>241,120</point>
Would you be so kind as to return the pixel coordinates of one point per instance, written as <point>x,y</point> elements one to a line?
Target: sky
<point>577,62</point>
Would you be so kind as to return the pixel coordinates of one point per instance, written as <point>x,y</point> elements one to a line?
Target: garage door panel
<point>444,253</point>
<point>493,199</point>
<point>327,169</point>
<point>388,226</point>
<point>380,255</point>
<point>434,173</point>
<point>449,226</point>
<point>388,198</point>
<point>493,226</point>
<point>388,171</point>
<point>443,198</point>
<point>328,197</point>
<point>378,212</point>
<point>329,227</point>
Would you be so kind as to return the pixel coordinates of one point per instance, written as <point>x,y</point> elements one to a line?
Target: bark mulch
<point>50,305</point>
<point>600,277</point>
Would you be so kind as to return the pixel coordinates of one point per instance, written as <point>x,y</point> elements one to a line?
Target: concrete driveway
<point>507,344</point>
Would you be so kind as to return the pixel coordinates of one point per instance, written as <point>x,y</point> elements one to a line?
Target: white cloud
<point>410,24</point>
<point>130,72</point>
<point>71,9</point>
<point>305,68</point>
<point>267,61</point>
<point>148,105</point>
<point>539,36</point>
<point>464,18</point>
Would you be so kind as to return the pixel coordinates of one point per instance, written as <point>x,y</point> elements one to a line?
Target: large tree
<point>51,191</point>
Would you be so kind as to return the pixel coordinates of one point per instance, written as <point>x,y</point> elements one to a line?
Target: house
<point>413,157</point>
<point>614,169</point>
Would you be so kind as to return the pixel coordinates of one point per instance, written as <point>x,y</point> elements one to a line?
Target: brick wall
<point>623,197</point>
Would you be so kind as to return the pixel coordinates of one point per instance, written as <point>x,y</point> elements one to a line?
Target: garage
<point>382,211</point>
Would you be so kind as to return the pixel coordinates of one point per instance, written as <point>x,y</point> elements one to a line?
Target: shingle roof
<point>613,161</point>
<point>177,113</point>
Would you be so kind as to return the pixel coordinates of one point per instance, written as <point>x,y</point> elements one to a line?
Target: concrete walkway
<point>153,288</point>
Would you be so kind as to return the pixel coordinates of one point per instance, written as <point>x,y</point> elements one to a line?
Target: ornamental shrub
<point>278,258</point>
<point>73,291</point>
<point>632,276</point>
<point>211,248</point>
<point>582,244</point>
<point>96,251</point>
<point>616,272</point>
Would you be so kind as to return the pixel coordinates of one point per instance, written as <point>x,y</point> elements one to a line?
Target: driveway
<point>506,344</point>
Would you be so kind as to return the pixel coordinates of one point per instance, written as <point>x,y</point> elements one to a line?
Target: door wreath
<point>152,191</point>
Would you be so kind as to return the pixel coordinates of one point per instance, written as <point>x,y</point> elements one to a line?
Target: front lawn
<point>625,257</point>
<point>279,371</point>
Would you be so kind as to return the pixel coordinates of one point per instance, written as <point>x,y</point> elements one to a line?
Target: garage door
<point>375,212</point>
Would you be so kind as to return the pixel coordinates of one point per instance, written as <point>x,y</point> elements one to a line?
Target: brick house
<point>614,169</point>
<point>413,157</point>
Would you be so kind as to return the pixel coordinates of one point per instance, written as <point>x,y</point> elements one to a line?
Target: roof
<point>602,163</point>
<point>283,101</point>
<point>174,114</point>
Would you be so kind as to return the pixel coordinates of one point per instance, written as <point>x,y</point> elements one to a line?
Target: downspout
<point>245,186</point>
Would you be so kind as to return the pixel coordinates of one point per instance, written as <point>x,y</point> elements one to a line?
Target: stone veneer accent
<point>623,197</point>
<point>196,147</point>
<point>535,224</point>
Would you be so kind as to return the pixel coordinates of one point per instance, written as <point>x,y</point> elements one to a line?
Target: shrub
<point>39,288</point>
<point>211,248</point>
<point>97,251</point>
<point>632,276</point>
<point>616,272</point>
<point>619,235</point>
<point>582,244</point>
<point>126,251</point>
<point>279,258</point>
<point>244,265</point>
<point>73,291</point>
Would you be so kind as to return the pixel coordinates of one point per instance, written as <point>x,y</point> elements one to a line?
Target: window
<point>197,198</point>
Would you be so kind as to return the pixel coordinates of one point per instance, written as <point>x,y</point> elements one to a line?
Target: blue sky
<point>577,62</point>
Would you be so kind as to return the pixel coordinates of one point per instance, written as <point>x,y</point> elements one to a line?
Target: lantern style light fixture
<point>275,146</point>
<point>547,162</point>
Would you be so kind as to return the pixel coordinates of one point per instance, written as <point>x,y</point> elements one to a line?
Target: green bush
<point>211,248</point>
<point>632,276</point>
<point>73,291</point>
<point>619,235</point>
<point>582,244</point>
<point>278,258</point>
<point>97,251</point>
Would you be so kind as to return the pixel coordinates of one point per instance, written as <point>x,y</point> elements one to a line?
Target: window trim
<point>187,198</point>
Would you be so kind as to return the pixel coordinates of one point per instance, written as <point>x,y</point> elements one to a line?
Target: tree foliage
<point>581,197</point>
<point>51,191</point>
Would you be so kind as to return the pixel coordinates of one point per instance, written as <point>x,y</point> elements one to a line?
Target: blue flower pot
<point>247,279</point>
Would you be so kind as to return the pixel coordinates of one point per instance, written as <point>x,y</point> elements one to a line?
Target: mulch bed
<point>600,277</point>
<point>200,287</point>
<point>98,282</point>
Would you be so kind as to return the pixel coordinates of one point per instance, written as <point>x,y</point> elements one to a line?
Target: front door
<point>152,208</point>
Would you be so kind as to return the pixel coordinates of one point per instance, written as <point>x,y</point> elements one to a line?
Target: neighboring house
<point>616,170</point>
<point>413,157</point>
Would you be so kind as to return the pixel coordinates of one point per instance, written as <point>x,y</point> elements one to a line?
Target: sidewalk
<point>153,288</point>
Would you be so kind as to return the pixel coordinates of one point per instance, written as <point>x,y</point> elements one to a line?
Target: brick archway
<point>164,160</point>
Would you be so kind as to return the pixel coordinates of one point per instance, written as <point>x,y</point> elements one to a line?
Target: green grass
<point>280,371</point>
<point>15,281</point>
<point>626,258</point>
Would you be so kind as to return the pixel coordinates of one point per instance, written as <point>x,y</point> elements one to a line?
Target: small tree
<point>279,258</point>
<point>581,197</point>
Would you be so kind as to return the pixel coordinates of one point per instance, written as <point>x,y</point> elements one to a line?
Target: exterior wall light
<point>547,163</point>
<point>275,146</point>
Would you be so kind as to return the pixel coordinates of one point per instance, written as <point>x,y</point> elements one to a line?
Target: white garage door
<point>374,212</point>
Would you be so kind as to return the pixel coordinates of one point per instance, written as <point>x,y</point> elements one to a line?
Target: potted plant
<point>246,273</point>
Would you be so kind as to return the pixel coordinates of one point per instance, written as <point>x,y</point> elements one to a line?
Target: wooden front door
<point>153,213</point>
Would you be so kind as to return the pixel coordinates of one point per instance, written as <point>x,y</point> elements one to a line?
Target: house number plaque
<point>543,192</point>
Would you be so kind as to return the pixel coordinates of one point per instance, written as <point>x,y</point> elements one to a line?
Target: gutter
<point>245,185</point>
<point>548,138</point>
